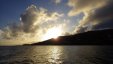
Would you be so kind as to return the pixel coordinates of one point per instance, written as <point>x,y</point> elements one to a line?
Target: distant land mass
<point>97,37</point>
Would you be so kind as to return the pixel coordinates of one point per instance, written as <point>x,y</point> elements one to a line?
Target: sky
<point>27,21</point>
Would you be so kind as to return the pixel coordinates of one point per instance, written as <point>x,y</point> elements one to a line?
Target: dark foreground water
<point>56,55</point>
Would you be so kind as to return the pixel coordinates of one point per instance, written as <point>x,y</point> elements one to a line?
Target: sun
<point>53,33</point>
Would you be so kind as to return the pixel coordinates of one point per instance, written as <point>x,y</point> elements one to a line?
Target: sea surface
<point>56,55</point>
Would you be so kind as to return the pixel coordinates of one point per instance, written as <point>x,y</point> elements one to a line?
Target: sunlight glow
<point>53,33</point>
<point>55,55</point>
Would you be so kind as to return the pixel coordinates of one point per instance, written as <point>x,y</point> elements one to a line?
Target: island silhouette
<point>97,37</point>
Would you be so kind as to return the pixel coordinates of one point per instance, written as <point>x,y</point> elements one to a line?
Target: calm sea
<point>56,55</point>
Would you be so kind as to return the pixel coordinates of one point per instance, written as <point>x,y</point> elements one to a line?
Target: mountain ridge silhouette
<point>97,37</point>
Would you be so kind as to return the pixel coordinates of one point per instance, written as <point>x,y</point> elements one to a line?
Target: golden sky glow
<point>52,33</point>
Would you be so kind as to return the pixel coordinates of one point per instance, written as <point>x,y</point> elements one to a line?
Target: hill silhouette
<point>98,37</point>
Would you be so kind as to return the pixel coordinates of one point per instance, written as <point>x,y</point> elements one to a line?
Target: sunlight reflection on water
<point>56,55</point>
<point>48,54</point>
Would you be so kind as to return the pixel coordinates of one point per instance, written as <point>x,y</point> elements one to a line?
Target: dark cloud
<point>29,18</point>
<point>103,13</point>
<point>96,17</point>
<point>84,5</point>
<point>108,24</point>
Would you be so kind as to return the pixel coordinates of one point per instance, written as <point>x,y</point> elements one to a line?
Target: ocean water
<point>56,55</point>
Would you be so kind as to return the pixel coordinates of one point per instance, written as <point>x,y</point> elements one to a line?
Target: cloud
<point>97,14</point>
<point>57,1</point>
<point>83,6</point>
<point>106,24</point>
<point>34,17</point>
<point>32,25</point>
<point>1,32</point>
